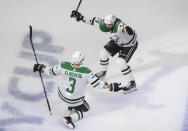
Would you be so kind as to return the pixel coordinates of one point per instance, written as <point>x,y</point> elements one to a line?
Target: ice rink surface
<point>160,65</point>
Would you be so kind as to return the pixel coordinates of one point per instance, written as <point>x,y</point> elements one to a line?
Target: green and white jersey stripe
<point>73,81</point>
<point>70,101</point>
<point>117,33</point>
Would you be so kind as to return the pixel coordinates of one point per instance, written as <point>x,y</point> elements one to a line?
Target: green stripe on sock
<point>96,85</point>
<point>103,64</point>
<point>127,72</point>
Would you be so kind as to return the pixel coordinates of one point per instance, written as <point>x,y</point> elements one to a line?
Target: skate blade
<point>130,91</point>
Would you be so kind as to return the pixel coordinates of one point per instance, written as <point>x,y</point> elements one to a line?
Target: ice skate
<point>131,87</point>
<point>68,122</point>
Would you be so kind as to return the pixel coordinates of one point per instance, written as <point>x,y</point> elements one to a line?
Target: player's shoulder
<point>119,21</point>
<point>65,64</point>
<point>68,66</point>
<point>102,26</point>
<point>118,25</point>
<point>84,70</point>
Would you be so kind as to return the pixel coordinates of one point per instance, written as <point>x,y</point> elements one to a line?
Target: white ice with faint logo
<point>160,65</point>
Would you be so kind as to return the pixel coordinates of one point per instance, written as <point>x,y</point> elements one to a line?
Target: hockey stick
<point>79,5</point>
<point>30,36</point>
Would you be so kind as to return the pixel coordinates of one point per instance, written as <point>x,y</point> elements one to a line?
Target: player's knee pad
<point>122,63</point>
<point>104,54</point>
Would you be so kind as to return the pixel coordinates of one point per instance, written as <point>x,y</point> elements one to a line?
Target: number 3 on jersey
<point>73,83</point>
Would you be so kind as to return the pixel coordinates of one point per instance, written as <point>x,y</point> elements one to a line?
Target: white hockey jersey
<point>117,33</point>
<point>73,82</point>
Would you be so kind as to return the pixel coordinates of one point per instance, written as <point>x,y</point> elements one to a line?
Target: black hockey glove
<point>38,67</point>
<point>77,15</point>
<point>115,87</point>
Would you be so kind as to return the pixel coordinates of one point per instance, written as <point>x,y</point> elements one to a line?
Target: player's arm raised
<point>80,17</point>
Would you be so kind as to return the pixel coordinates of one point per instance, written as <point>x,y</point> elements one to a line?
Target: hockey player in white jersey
<point>123,40</point>
<point>73,81</point>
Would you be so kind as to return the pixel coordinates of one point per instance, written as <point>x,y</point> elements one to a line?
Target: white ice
<point>160,65</point>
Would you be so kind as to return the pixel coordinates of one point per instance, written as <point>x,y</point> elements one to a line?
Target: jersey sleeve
<point>95,82</point>
<point>55,70</point>
<point>93,21</point>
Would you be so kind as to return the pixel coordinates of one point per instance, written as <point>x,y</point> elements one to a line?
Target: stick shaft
<point>79,5</point>
<point>49,108</point>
